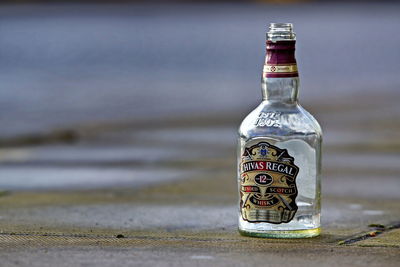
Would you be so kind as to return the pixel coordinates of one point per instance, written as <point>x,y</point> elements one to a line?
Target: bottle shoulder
<point>279,119</point>
<point>313,122</point>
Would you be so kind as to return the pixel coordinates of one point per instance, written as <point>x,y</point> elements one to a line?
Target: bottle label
<point>267,183</point>
<point>280,70</point>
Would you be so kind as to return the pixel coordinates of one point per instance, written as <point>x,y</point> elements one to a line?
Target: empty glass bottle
<point>279,152</point>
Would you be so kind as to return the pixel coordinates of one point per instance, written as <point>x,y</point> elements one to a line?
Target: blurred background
<point>126,94</point>
<point>68,63</point>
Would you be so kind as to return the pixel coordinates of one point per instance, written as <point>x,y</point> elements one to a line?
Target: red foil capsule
<point>280,61</point>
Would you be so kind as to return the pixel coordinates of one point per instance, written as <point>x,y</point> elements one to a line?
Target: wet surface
<point>39,178</point>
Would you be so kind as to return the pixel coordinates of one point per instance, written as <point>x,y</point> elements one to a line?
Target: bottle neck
<point>280,79</point>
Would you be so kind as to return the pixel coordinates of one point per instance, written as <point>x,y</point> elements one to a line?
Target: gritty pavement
<point>116,195</point>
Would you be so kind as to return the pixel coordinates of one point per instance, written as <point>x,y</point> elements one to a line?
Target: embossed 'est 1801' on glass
<point>279,152</point>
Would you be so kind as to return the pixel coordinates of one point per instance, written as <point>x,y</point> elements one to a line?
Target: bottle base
<point>283,234</point>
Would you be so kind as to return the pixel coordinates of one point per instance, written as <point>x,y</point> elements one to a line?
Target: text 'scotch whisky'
<point>279,151</point>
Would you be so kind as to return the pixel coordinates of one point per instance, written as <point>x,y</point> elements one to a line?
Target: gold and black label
<point>267,184</point>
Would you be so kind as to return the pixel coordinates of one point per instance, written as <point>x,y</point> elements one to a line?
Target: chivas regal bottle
<point>279,152</point>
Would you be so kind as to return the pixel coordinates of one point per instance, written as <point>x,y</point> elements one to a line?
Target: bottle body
<point>288,128</point>
<point>279,152</point>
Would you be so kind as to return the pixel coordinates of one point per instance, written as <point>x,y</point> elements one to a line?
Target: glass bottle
<point>279,152</point>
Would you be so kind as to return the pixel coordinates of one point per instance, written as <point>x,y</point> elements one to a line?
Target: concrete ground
<point>165,195</point>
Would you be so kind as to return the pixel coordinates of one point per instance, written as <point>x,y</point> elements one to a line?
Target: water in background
<point>61,65</point>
